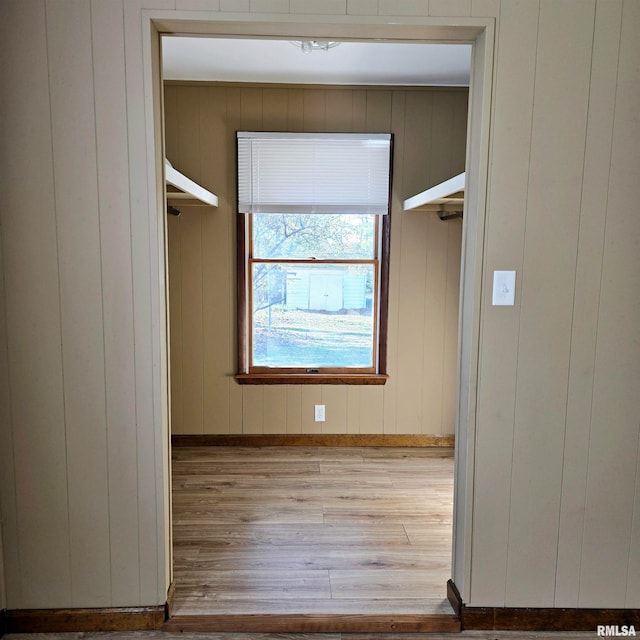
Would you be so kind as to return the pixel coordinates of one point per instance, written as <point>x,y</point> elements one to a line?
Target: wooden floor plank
<point>225,535</point>
<point>192,455</point>
<point>265,469</point>
<point>238,514</point>
<point>261,585</point>
<point>386,584</point>
<point>309,557</point>
<point>324,606</point>
<point>219,482</point>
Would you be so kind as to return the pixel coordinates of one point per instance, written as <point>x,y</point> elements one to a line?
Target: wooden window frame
<point>248,375</point>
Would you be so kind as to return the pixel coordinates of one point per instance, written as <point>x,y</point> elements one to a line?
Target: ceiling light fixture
<point>307,46</point>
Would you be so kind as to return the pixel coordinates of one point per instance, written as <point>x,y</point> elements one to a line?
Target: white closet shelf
<point>446,198</point>
<point>188,192</point>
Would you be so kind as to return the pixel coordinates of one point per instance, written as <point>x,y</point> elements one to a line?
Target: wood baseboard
<point>103,619</point>
<point>171,594</point>
<point>312,440</point>
<point>316,623</point>
<point>537,619</point>
<point>453,595</point>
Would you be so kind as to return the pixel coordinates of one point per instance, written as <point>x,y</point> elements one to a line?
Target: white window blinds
<point>313,172</point>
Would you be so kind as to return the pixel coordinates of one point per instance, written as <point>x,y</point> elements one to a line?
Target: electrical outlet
<point>319,413</point>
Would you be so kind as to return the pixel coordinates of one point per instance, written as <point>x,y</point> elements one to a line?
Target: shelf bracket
<point>190,190</point>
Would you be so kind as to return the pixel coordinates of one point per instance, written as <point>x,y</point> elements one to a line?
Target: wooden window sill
<point>316,378</point>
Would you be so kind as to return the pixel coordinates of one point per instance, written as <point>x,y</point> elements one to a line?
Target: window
<point>313,241</point>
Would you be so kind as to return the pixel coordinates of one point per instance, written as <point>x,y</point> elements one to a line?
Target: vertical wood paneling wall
<point>81,484</point>
<point>556,482</point>
<point>556,477</point>
<point>429,128</point>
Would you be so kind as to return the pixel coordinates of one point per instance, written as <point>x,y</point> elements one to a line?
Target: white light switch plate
<point>504,288</point>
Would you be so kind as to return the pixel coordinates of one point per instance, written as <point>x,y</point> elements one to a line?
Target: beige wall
<point>429,128</point>
<point>80,437</point>
<point>556,489</point>
<point>555,520</point>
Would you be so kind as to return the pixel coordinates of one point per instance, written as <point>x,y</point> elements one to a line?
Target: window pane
<point>297,236</point>
<point>317,316</point>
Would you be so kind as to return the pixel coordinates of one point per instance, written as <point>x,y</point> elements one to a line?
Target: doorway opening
<point>242,103</point>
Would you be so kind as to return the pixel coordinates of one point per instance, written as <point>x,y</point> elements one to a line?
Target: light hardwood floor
<point>287,530</point>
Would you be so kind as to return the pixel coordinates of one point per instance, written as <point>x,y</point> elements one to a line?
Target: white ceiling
<point>371,63</point>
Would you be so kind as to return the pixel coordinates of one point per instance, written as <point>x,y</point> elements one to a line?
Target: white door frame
<point>480,32</point>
